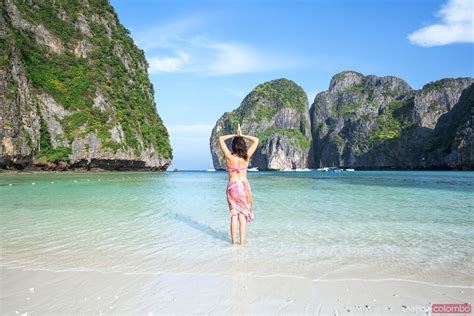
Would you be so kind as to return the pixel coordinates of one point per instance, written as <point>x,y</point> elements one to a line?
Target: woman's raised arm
<point>223,146</point>
<point>252,147</point>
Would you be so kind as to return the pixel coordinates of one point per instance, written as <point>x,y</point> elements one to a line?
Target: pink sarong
<point>239,197</point>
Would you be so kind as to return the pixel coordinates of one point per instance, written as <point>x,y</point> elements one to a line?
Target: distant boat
<point>302,169</point>
<point>253,169</point>
<point>295,170</point>
<point>321,168</point>
<point>333,169</point>
<point>210,169</point>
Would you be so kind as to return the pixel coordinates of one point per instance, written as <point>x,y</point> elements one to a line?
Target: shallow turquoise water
<point>408,225</point>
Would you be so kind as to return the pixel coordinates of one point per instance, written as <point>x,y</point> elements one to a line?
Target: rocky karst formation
<point>363,122</point>
<point>277,113</point>
<point>74,90</point>
<point>452,141</point>
<point>371,122</point>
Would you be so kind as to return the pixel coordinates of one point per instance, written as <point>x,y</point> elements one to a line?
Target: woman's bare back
<point>238,168</point>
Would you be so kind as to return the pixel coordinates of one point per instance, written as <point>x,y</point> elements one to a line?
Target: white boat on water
<point>295,170</point>
<point>349,169</point>
<point>321,168</point>
<point>253,169</point>
<point>330,169</point>
<point>211,165</point>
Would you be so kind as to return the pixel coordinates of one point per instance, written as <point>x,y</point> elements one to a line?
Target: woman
<point>239,195</point>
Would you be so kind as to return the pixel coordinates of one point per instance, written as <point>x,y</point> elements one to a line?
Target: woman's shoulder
<point>236,159</point>
<point>231,158</point>
<point>245,161</point>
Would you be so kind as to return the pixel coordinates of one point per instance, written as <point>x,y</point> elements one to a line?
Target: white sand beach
<point>74,292</point>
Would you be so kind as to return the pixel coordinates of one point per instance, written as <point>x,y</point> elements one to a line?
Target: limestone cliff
<point>452,141</point>
<point>277,113</point>
<point>75,90</point>
<point>374,122</point>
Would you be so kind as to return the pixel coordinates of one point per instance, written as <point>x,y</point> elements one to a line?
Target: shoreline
<point>48,291</point>
<point>76,171</point>
<point>99,170</point>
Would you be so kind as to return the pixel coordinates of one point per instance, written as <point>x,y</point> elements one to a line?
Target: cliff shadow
<point>405,152</point>
<point>202,227</point>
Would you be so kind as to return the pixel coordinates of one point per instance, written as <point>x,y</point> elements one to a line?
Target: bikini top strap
<point>236,169</point>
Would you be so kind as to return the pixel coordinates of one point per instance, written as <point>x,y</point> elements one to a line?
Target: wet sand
<point>73,292</point>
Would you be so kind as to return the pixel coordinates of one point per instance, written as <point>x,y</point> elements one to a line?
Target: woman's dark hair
<point>239,147</point>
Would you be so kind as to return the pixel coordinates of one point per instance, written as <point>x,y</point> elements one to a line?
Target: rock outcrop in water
<point>75,90</point>
<point>277,113</point>
<point>363,122</point>
<point>370,122</point>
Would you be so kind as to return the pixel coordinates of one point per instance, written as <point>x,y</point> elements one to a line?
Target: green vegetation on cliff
<point>440,84</point>
<point>47,150</point>
<point>267,98</point>
<point>342,74</point>
<point>264,102</point>
<point>285,93</point>
<point>348,108</point>
<point>48,12</point>
<point>234,119</point>
<point>391,125</point>
<point>275,111</point>
<point>294,135</point>
<point>111,65</point>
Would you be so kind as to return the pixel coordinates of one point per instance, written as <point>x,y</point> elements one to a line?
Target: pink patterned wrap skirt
<point>239,197</point>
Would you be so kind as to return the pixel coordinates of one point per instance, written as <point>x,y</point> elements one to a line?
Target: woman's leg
<point>233,228</point>
<point>242,222</point>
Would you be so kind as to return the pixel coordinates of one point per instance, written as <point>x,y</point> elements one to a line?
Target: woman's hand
<point>239,131</point>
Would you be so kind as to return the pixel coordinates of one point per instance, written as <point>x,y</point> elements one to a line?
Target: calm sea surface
<point>405,225</point>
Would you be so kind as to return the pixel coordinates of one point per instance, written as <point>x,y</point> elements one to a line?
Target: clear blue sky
<point>205,56</point>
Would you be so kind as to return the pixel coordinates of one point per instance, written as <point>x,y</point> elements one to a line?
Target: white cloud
<point>175,63</point>
<point>457,26</point>
<point>180,47</point>
<point>232,58</point>
<point>167,35</point>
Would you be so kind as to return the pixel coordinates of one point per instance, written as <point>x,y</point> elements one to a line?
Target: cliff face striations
<point>371,122</point>
<point>277,113</point>
<point>363,122</point>
<point>452,141</point>
<point>75,90</point>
